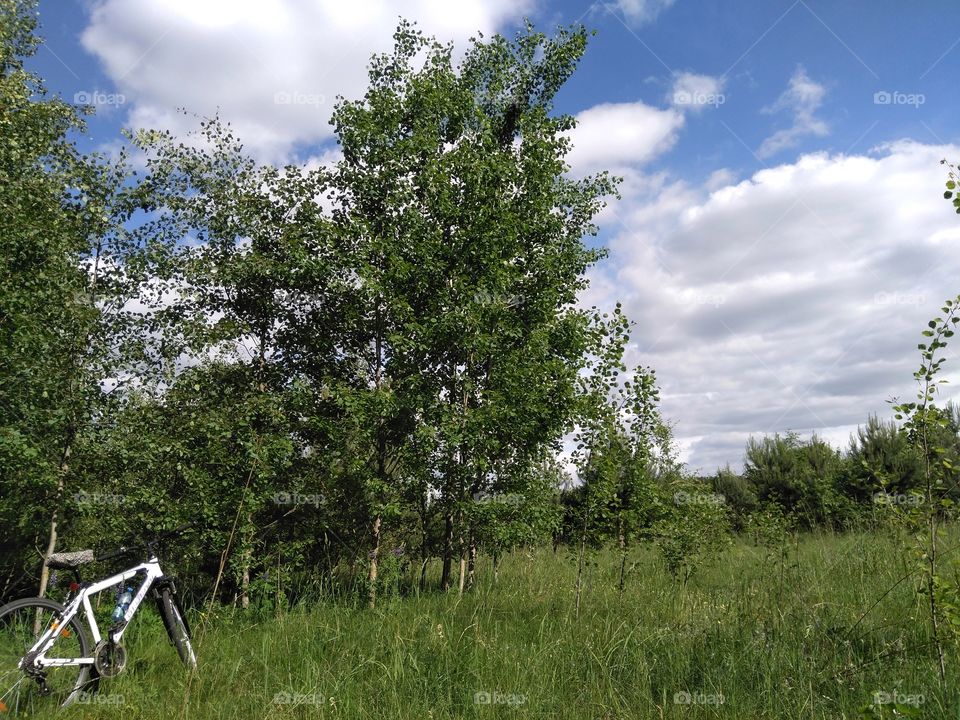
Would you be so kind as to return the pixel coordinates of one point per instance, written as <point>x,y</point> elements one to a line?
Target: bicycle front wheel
<point>177,627</point>
<point>29,686</point>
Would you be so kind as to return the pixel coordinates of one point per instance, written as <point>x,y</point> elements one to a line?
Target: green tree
<point>925,425</point>
<point>739,493</point>
<point>466,237</point>
<point>881,458</point>
<point>250,275</point>
<point>69,271</point>
<point>43,311</point>
<point>623,449</point>
<point>801,477</point>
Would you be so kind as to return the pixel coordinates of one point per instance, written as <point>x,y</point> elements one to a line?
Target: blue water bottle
<point>123,602</point>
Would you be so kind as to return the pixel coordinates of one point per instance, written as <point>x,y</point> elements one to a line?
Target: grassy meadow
<point>761,633</point>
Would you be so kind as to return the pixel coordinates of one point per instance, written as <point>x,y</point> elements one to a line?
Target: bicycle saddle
<point>69,560</point>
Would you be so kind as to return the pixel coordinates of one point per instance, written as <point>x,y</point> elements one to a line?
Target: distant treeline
<point>823,487</point>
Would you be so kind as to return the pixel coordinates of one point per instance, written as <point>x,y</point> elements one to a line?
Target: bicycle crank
<point>109,658</point>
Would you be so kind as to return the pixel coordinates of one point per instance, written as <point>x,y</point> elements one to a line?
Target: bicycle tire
<point>25,695</point>
<point>176,627</point>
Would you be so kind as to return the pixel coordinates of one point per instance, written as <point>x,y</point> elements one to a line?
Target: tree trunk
<point>580,561</point>
<point>424,554</point>
<point>422,585</point>
<point>279,594</point>
<point>471,548</point>
<point>931,587</point>
<point>447,552</point>
<point>52,540</point>
<point>622,541</point>
<point>245,583</point>
<point>463,572</point>
<point>462,551</point>
<point>246,560</point>
<point>374,557</point>
<point>471,562</point>
<point>381,450</point>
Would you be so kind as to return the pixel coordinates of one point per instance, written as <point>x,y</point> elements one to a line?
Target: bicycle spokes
<point>26,682</point>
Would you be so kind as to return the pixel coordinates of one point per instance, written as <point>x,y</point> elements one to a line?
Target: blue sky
<point>781,240</point>
<point>853,49</point>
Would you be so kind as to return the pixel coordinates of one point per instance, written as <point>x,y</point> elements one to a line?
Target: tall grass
<point>761,634</point>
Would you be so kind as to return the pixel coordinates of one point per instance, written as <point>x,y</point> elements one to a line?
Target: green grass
<point>774,639</point>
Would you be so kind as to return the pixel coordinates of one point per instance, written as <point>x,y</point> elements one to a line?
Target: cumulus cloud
<point>694,92</point>
<point>790,300</point>
<point>615,135</point>
<point>803,97</point>
<point>271,67</point>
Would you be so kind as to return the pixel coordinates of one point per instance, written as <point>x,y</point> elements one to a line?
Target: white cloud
<point>617,135</point>
<point>272,67</point>
<point>803,97</point>
<point>638,12</point>
<point>792,300</point>
<point>695,92</point>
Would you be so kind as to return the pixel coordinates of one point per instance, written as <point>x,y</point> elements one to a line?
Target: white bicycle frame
<point>151,570</point>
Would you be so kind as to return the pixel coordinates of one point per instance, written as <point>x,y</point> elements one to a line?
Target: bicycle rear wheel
<point>176,627</point>
<point>25,690</point>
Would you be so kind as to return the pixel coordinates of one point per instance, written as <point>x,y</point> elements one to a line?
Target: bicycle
<point>44,650</point>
